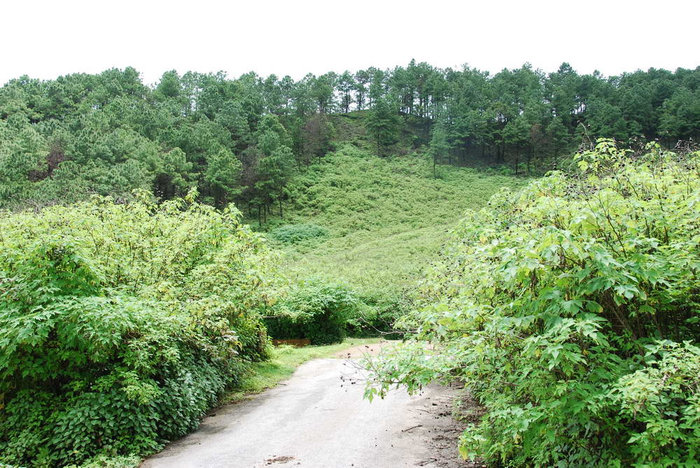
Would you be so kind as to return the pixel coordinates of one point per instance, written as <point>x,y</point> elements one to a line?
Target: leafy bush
<point>295,233</point>
<point>315,310</point>
<point>572,311</point>
<point>102,461</point>
<point>121,324</point>
<point>377,313</point>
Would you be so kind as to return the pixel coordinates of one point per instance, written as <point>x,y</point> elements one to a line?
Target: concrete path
<point>318,419</point>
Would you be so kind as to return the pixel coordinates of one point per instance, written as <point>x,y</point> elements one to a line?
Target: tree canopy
<point>241,139</point>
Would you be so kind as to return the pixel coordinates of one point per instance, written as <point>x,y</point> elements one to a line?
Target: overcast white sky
<point>45,39</point>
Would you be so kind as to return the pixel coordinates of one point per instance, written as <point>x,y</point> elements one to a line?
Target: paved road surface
<point>318,419</point>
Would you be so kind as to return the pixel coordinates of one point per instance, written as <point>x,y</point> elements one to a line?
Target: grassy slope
<point>387,217</point>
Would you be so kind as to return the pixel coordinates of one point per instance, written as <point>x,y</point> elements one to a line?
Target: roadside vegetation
<point>571,309</point>
<point>122,324</point>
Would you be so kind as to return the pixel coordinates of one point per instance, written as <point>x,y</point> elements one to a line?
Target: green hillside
<point>384,218</point>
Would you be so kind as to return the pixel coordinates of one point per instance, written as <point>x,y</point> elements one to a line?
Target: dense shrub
<point>314,310</point>
<point>296,233</point>
<point>121,324</point>
<point>572,311</point>
<point>377,313</point>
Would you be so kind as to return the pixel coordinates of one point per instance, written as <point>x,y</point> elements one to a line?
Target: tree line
<point>242,139</point>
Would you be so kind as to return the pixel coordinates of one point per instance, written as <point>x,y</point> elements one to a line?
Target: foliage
<point>377,313</point>
<point>242,139</point>
<point>296,233</point>
<point>315,310</point>
<point>121,324</point>
<point>571,309</point>
<point>103,461</point>
<point>383,125</point>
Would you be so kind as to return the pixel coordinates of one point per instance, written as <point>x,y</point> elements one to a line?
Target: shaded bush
<point>377,314</point>
<point>314,310</point>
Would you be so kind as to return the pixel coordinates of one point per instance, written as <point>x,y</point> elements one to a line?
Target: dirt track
<point>318,419</point>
